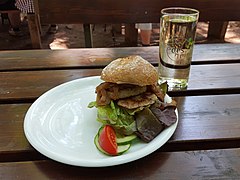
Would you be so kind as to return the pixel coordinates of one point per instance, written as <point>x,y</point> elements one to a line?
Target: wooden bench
<point>217,12</point>
<point>4,14</point>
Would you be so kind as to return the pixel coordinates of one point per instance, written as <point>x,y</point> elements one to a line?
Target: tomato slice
<point>107,140</point>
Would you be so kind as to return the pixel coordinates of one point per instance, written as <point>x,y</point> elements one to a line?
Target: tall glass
<point>177,36</point>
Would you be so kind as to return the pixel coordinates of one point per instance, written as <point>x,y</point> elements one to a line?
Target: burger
<point>130,100</point>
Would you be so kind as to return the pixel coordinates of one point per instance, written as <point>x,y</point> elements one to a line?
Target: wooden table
<point>205,145</point>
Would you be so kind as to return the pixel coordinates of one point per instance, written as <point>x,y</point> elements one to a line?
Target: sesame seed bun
<point>130,70</point>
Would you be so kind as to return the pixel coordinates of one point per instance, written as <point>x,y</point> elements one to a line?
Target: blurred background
<point>104,35</point>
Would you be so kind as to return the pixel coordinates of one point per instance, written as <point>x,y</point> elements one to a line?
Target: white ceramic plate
<point>60,126</point>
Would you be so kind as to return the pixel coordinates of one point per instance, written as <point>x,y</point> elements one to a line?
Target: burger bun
<point>130,70</point>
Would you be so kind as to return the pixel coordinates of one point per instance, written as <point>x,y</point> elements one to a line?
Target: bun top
<point>130,70</point>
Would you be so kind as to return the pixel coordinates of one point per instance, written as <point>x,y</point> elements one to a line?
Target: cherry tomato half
<point>107,140</point>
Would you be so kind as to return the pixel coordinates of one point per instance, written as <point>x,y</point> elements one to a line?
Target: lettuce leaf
<point>115,116</point>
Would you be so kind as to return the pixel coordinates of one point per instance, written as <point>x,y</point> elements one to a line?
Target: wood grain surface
<point>204,165</point>
<point>205,122</point>
<point>100,57</point>
<point>24,85</point>
<point>205,145</point>
<point>131,11</point>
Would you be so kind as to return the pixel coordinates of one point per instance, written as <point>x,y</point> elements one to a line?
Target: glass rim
<point>191,10</point>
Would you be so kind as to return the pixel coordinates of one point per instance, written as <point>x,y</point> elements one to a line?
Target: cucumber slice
<point>100,130</point>
<point>125,139</point>
<point>98,146</point>
<point>121,148</point>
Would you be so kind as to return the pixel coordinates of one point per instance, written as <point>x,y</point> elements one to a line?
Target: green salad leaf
<point>115,116</point>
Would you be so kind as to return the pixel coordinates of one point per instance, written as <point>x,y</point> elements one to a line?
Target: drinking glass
<point>177,37</point>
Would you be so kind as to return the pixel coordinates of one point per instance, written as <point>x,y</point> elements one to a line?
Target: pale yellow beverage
<point>177,35</point>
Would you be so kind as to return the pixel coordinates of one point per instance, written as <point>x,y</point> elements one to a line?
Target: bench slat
<point>74,58</point>
<point>28,85</point>
<point>127,11</point>
<point>218,164</point>
<point>196,129</point>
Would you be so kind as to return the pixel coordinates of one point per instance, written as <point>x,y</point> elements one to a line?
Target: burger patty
<point>127,90</point>
<point>111,91</point>
<point>144,99</point>
<point>128,95</point>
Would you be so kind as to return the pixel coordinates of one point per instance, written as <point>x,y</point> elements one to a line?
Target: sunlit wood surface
<point>205,145</point>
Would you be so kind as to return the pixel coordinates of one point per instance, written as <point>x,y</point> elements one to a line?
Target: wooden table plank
<point>217,164</point>
<point>218,117</point>
<point>11,125</point>
<point>211,76</point>
<point>216,52</point>
<point>205,122</point>
<point>80,58</point>
<point>24,85</point>
<point>19,86</point>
